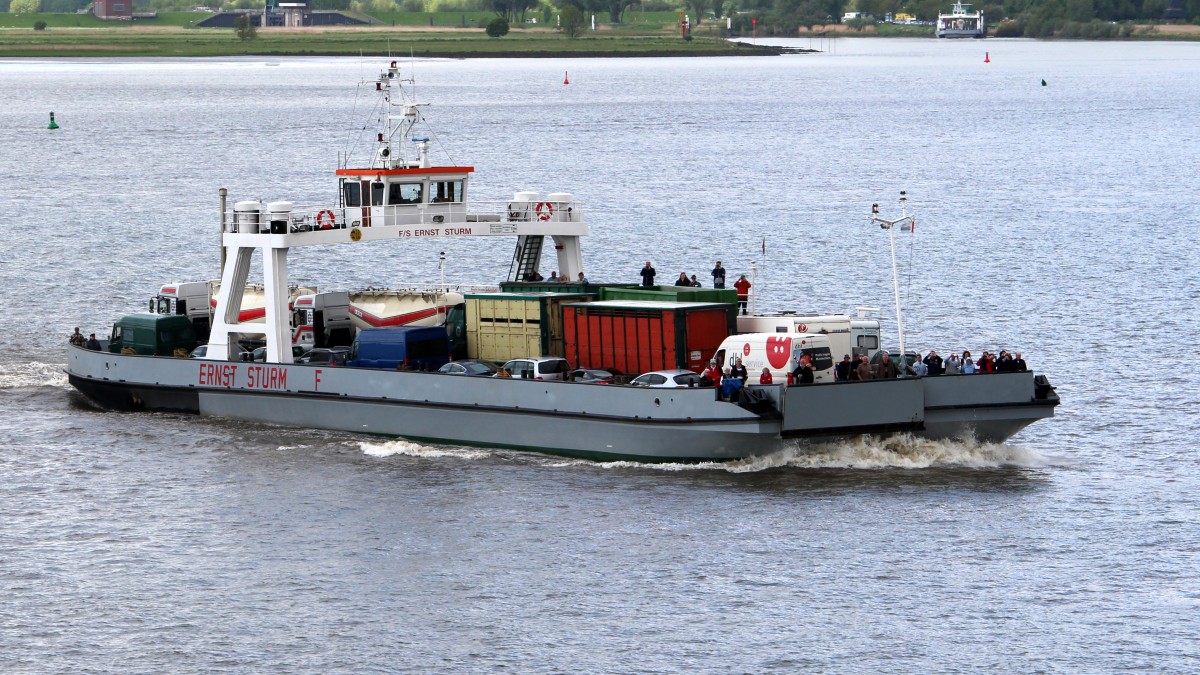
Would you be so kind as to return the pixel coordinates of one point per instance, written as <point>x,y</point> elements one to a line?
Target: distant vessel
<point>962,22</point>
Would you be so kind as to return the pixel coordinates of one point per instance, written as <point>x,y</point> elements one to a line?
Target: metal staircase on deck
<point>526,257</point>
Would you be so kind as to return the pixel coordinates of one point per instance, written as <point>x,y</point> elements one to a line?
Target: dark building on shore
<point>121,10</point>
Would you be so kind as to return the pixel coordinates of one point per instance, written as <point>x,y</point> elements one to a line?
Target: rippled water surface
<point>1057,220</point>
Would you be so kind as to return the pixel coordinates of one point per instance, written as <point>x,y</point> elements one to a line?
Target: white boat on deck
<point>963,21</point>
<point>395,199</point>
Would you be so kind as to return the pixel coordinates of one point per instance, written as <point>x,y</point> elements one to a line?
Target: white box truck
<point>853,336</point>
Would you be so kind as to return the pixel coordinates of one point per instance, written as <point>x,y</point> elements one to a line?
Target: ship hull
<point>599,422</point>
<point>953,33</point>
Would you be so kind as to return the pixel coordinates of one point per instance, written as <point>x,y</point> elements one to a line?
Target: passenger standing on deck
<point>765,378</point>
<point>952,364</point>
<point>918,367</point>
<point>885,369</point>
<point>739,371</point>
<point>718,275</point>
<point>854,361</point>
<point>92,343</point>
<point>76,338</point>
<point>582,279</point>
<point>711,374</point>
<point>683,280</point>
<point>553,276</point>
<point>968,366</point>
<point>695,281</point>
<point>743,293</point>
<point>842,372</point>
<point>1019,364</point>
<point>648,274</point>
<point>1004,364</point>
<point>933,363</point>
<point>864,370</point>
<point>803,374</point>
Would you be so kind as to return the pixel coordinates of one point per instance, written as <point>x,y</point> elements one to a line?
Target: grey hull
<point>593,421</point>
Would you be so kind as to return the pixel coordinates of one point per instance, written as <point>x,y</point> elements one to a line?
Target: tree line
<point>1031,18</point>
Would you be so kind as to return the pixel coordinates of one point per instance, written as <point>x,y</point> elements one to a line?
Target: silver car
<point>667,379</point>
<point>538,368</point>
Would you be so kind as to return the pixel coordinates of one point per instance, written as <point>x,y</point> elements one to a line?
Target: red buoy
<point>987,58</point>
<point>565,80</point>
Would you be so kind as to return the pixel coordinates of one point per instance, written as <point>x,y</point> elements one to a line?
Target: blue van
<point>401,348</point>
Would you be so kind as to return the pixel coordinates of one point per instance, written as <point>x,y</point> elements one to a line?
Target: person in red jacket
<point>765,378</point>
<point>743,292</point>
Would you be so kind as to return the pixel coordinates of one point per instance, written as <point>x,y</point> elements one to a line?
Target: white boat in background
<point>963,21</point>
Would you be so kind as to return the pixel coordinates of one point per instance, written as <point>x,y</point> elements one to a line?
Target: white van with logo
<point>779,352</point>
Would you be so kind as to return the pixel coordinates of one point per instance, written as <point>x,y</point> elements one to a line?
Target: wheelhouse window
<point>405,193</point>
<point>446,191</point>
<point>351,193</point>
<point>377,194</point>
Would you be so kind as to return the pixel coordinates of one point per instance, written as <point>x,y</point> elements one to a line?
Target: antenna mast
<point>890,226</point>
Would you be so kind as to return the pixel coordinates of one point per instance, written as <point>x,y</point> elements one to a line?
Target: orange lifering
<point>326,219</point>
<point>544,210</point>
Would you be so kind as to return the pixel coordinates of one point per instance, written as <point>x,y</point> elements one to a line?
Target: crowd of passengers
<point>930,365</point>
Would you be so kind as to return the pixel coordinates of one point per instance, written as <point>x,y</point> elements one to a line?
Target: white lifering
<point>544,210</point>
<point>326,219</point>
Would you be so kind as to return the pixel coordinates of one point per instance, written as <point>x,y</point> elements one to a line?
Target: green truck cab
<point>153,335</point>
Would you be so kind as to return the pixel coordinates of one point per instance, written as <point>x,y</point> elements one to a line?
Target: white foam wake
<point>862,453</point>
<point>412,449</point>
<point>868,452</point>
<point>32,374</point>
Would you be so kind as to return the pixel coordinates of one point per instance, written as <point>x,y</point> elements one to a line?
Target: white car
<point>667,379</point>
<point>201,352</point>
<point>538,368</point>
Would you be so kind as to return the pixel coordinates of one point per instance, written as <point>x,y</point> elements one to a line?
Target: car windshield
<point>476,368</point>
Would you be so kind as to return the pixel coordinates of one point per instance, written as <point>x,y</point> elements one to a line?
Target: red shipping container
<point>631,336</point>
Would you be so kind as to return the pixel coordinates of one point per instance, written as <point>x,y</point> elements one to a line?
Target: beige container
<point>505,326</point>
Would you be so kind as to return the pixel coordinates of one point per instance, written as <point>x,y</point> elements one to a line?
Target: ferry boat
<point>962,22</point>
<point>396,198</point>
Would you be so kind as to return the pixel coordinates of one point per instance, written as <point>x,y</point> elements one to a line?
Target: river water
<point>1058,220</point>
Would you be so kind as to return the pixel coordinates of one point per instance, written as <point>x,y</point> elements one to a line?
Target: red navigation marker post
<point>753,31</point>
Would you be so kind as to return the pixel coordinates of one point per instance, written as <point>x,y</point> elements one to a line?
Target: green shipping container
<point>592,290</point>
<point>669,294</point>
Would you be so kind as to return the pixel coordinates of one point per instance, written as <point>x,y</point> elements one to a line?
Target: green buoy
<point>53,124</point>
